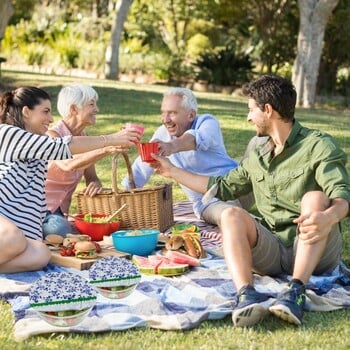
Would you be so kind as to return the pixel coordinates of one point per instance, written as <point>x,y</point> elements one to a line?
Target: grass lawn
<point>120,103</point>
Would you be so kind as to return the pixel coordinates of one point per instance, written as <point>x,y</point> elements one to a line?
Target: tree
<point>6,11</point>
<point>274,21</point>
<point>336,49</point>
<point>314,15</point>
<point>112,52</point>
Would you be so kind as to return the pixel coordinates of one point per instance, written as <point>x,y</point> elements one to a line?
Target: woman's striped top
<point>23,166</point>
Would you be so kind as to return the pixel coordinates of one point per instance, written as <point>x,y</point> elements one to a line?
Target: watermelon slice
<point>144,265</point>
<point>159,265</point>
<point>181,258</point>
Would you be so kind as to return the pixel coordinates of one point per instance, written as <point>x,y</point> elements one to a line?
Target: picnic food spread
<point>114,277</point>
<point>62,298</point>
<point>80,246</point>
<point>181,251</point>
<point>79,251</point>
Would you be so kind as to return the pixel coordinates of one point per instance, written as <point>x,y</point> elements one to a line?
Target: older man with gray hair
<point>192,142</point>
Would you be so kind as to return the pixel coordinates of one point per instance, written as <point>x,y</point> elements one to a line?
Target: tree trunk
<point>314,15</point>
<point>6,11</point>
<point>112,52</point>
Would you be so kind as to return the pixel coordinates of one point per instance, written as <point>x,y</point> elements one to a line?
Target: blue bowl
<point>136,242</point>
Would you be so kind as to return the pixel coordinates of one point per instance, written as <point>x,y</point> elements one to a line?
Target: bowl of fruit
<point>62,299</point>
<point>67,318</point>
<point>95,225</point>
<point>114,277</point>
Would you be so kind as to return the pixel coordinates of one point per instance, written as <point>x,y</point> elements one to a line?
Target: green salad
<point>89,218</point>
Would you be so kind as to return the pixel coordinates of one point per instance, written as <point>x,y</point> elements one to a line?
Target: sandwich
<point>62,298</point>
<point>54,240</point>
<point>85,250</point>
<point>71,238</point>
<point>114,277</point>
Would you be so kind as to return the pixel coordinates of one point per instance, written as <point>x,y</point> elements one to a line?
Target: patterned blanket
<point>170,303</point>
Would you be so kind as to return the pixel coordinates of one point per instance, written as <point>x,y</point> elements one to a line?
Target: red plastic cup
<point>145,150</point>
<point>139,128</point>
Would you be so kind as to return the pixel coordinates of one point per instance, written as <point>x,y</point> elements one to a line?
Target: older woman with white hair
<point>77,105</point>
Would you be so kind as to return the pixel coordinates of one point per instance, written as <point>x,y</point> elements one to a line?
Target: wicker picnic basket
<point>147,207</point>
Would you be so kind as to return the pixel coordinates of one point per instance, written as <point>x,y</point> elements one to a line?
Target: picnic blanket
<point>170,303</point>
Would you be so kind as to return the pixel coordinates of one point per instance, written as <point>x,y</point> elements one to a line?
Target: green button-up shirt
<point>310,160</point>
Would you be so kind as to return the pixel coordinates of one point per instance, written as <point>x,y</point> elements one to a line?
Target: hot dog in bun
<point>186,243</point>
<point>193,246</point>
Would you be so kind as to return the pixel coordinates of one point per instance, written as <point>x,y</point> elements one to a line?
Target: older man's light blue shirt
<point>210,157</point>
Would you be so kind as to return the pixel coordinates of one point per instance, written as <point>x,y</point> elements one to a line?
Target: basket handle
<point>114,172</point>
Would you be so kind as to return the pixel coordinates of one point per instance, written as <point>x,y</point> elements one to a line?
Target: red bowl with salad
<point>94,226</point>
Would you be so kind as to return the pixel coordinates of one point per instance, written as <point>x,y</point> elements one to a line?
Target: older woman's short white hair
<point>75,94</point>
<point>189,100</point>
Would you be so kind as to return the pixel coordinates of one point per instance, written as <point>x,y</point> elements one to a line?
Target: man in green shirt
<point>302,191</point>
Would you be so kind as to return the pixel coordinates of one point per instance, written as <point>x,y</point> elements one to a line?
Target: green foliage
<point>224,67</point>
<point>69,56</point>
<point>336,51</point>
<point>343,82</point>
<point>34,54</point>
<point>48,39</point>
<point>23,10</point>
<point>198,44</point>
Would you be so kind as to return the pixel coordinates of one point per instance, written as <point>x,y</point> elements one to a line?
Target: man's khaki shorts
<point>271,257</point>
<point>213,212</point>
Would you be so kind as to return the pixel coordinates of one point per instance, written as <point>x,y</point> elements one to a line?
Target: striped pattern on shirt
<point>23,166</point>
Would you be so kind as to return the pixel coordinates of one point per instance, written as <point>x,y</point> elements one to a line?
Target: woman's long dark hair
<point>12,103</point>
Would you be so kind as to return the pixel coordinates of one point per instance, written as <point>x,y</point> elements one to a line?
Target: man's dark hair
<point>277,91</point>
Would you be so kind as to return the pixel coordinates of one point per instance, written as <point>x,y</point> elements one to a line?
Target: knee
<point>42,256</point>
<point>232,212</point>
<point>314,200</point>
<point>42,261</point>
<point>12,239</point>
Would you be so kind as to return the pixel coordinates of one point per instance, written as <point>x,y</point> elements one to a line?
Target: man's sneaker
<point>251,308</point>
<point>289,305</point>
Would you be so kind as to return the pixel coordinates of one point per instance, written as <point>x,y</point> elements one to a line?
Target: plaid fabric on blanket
<point>170,303</point>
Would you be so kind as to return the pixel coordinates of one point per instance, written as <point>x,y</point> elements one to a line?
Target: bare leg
<point>308,255</point>
<point>239,237</point>
<point>289,305</point>
<point>18,253</point>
